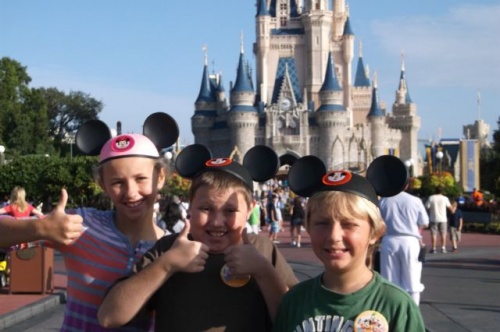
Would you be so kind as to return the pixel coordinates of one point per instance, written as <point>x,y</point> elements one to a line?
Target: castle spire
<point>403,92</point>
<point>375,109</point>
<point>361,79</point>
<point>262,9</point>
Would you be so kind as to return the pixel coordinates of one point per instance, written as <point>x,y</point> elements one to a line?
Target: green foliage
<point>429,184</point>
<point>43,177</point>
<point>34,121</point>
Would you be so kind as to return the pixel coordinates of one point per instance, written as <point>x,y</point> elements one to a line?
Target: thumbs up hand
<point>59,227</point>
<point>244,258</point>
<point>186,255</point>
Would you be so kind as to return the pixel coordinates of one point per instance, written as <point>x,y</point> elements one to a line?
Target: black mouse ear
<point>388,175</point>
<point>262,162</point>
<point>305,175</point>
<point>161,129</point>
<point>191,160</point>
<point>91,137</point>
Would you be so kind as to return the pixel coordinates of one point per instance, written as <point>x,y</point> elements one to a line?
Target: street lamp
<point>409,165</point>
<point>69,138</point>
<point>2,156</point>
<point>439,156</point>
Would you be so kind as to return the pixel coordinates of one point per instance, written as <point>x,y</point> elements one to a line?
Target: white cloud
<point>460,48</point>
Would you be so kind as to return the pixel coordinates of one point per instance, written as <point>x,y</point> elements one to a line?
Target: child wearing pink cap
<point>100,247</point>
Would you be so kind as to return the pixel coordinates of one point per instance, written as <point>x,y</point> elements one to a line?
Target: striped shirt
<point>93,263</point>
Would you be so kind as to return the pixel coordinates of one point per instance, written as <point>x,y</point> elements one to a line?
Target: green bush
<point>43,177</point>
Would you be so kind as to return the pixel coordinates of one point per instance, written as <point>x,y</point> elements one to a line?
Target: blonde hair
<point>344,205</point>
<point>18,197</point>
<point>220,180</point>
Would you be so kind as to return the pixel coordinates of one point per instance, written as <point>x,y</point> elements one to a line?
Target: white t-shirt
<point>437,205</point>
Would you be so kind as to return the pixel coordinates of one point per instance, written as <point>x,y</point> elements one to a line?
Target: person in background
<point>274,216</point>
<point>437,205</point>
<point>18,207</point>
<point>254,220</point>
<point>297,218</point>
<point>173,217</point>
<point>405,217</point>
<point>477,197</point>
<point>455,223</point>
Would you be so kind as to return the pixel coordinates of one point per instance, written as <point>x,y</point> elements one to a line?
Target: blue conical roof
<point>402,78</point>
<point>361,78</point>
<point>262,10</point>
<point>206,94</point>
<point>375,109</point>
<point>347,28</point>
<point>243,79</point>
<point>331,83</point>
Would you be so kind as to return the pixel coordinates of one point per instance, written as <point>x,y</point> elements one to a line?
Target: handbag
<point>421,254</point>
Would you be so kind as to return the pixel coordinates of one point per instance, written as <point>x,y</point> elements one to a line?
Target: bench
<point>477,217</point>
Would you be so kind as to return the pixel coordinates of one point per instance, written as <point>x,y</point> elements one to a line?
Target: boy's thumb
<point>185,230</point>
<point>244,236</point>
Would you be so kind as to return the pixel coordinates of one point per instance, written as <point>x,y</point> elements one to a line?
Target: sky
<point>141,57</point>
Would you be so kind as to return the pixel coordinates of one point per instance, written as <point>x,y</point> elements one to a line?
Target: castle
<point>306,99</point>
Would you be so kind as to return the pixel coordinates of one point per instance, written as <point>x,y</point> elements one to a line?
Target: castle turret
<point>361,91</point>
<point>317,23</point>
<point>376,118</point>
<point>261,48</point>
<point>243,116</point>
<point>205,108</point>
<point>331,117</point>
<point>404,118</point>
<point>348,54</point>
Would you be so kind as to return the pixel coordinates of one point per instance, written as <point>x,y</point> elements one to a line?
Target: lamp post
<point>439,156</point>
<point>2,156</point>
<point>69,138</point>
<point>409,165</point>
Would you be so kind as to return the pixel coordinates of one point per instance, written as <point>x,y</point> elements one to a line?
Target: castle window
<point>283,21</point>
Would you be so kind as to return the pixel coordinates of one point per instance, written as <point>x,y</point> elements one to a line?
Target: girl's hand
<point>59,227</point>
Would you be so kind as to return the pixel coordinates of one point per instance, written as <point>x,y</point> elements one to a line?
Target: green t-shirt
<point>255,216</point>
<point>309,306</point>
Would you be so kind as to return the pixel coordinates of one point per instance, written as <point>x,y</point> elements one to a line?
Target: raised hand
<point>186,255</point>
<point>244,258</point>
<point>59,227</point>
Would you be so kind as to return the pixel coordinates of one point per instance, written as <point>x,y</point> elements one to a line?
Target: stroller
<point>3,269</point>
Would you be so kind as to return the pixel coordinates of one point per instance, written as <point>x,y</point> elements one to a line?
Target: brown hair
<point>346,205</point>
<point>220,180</point>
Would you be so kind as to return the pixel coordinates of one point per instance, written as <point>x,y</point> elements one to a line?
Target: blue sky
<point>140,57</point>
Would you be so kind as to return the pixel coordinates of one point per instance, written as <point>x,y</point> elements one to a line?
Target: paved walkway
<point>462,289</point>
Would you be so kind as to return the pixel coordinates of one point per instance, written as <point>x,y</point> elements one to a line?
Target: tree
<point>490,165</point>
<point>67,112</point>
<point>23,116</point>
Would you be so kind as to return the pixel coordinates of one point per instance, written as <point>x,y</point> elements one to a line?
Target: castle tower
<point>317,23</point>
<point>205,109</point>
<point>362,91</point>
<point>376,118</point>
<point>242,118</point>
<point>404,118</point>
<point>261,49</point>
<point>332,118</point>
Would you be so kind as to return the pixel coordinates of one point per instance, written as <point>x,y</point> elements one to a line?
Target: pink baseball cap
<point>128,145</point>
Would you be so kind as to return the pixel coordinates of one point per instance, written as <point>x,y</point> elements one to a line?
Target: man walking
<point>405,217</point>
<point>437,205</point>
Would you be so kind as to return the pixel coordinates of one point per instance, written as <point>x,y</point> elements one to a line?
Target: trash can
<point>32,270</point>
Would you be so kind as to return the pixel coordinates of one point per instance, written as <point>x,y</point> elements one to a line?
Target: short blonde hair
<point>344,205</point>
<point>220,180</point>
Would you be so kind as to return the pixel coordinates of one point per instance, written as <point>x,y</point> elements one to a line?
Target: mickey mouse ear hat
<point>259,164</point>
<point>160,131</point>
<point>386,176</point>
